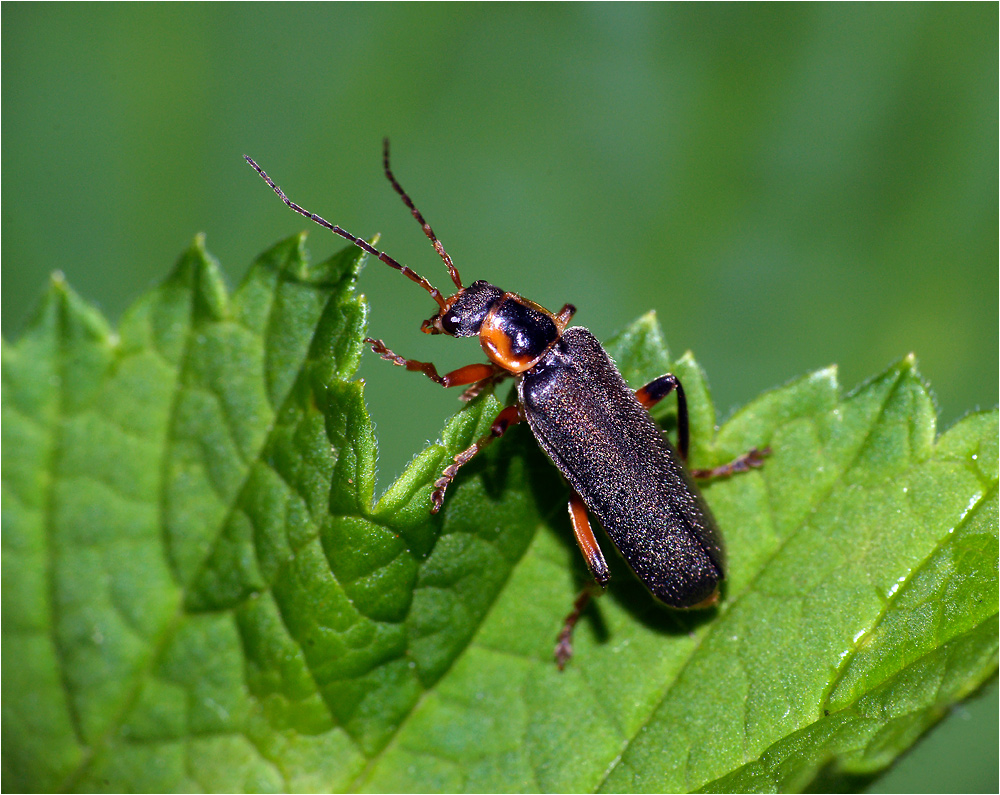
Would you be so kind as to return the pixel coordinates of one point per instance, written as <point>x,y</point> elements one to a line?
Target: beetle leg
<point>659,388</point>
<point>598,567</point>
<point>586,541</point>
<point>655,391</point>
<point>489,382</point>
<point>564,643</point>
<point>509,416</point>
<point>564,315</point>
<point>470,374</point>
<point>749,460</point>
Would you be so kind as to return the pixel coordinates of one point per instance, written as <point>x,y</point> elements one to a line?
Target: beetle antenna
<point>438,247</point>
<point>408,272</point>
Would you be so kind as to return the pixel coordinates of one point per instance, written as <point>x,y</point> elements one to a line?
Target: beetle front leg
<point>470,374</point>
<point>509,416</point>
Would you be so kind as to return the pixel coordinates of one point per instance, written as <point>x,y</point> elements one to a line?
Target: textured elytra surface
<point>199,590</point>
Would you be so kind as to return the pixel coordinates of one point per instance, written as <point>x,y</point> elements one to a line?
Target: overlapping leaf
<point>199,590</point>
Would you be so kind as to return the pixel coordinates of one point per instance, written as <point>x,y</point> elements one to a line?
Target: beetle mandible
<point>591,424</point>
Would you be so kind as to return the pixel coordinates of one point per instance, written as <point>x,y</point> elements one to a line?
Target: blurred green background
<point>788,186</point>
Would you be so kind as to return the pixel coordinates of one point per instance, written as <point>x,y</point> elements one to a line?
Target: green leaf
<point>201,592</point>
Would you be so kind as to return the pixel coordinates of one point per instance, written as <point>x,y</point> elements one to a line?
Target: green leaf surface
<point>200,590</point>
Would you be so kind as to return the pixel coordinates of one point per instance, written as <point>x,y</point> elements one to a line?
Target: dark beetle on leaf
<point>596,430</point>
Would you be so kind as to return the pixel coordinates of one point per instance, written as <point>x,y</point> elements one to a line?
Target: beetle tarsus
<point>474,374</point>
<point>437,496</point>
<point>442,483</point>
<point>413,365</point>
<point>751,459</point>
<point>564,643</point>
<point>564,648</point>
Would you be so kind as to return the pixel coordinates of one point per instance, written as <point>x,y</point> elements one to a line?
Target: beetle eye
<point>450,323</point>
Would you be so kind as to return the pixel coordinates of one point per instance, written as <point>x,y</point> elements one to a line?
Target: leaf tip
<point>687,358</point>
<point>65,312</point>
<point>198,269</point>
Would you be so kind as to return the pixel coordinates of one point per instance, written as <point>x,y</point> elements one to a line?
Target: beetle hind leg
<point>564,642</point>
<point>587,542</point>
<point>655,391</point>
<point>659,388</point>
<point>751,459</point>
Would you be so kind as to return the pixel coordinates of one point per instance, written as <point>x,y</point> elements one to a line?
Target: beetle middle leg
<point>509,416</point>
<point>564,316</point>
<point>484,384</point>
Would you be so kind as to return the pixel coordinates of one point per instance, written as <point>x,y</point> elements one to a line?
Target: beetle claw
<point>564,647</point>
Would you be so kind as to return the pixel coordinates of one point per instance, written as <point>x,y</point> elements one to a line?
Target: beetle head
<point>463,313</point>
